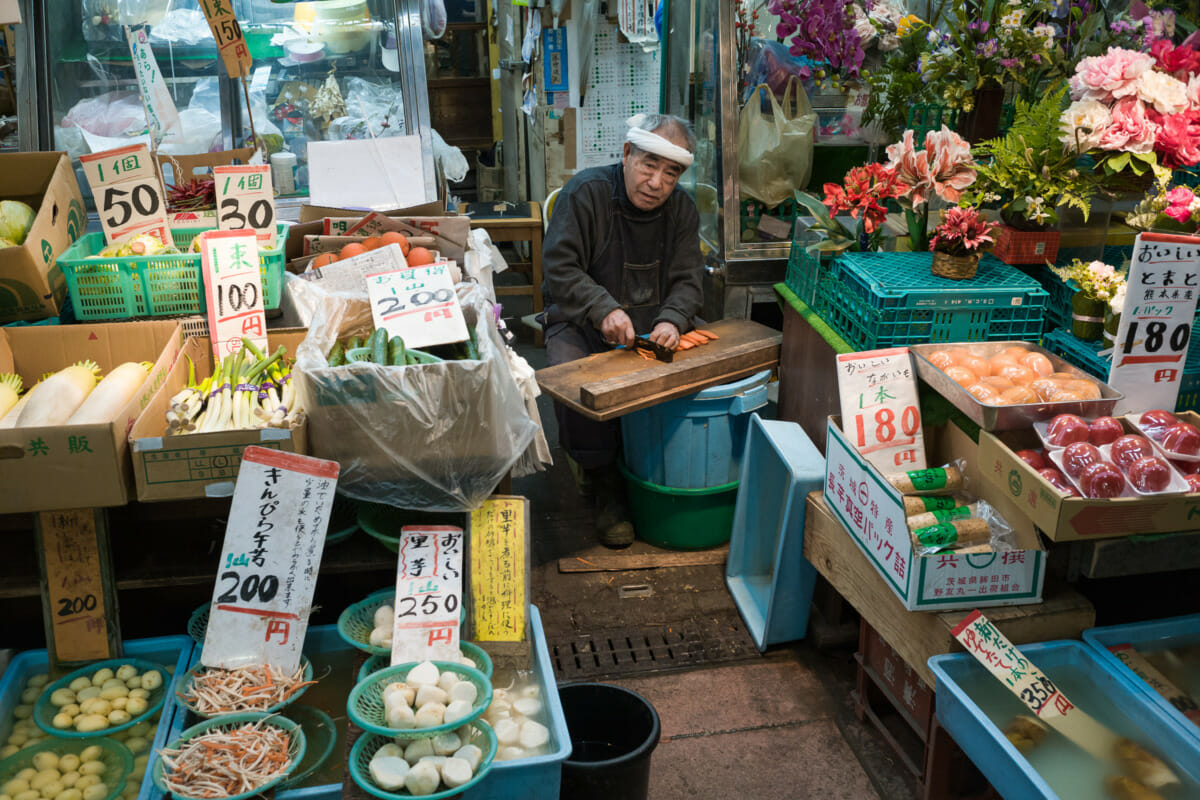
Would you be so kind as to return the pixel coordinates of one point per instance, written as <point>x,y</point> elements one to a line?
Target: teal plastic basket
<point>296,749</point>
<point>357,621</point>
<point>198,623</point>
<point>44,710</point>
<point>1058,291</point>
<point>483,662</point>
<point>887,281</point>
<point>924,117</point>
<point>155,286</point>
<point>478,733</point>
<point>185,682</point>
<point>117,760</point>
<point>320,736</point>
<point>365,705</point>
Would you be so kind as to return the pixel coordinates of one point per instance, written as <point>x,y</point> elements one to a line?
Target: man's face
<point>649,178</point>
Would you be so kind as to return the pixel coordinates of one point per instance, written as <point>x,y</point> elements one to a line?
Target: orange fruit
<point>419,256</point>
<point>393,237</point>
<point>373,243</point>
<point>352,249</point>
<point>323,260</point>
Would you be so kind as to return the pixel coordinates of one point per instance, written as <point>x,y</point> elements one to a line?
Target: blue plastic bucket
<point>694,442</point>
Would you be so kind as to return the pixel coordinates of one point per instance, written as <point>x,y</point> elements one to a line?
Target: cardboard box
<point>1065,519</point>
<point>77,466</point>
<point>31,285</point>
<point>451,233</point>
<point>200,464</point>
<point>872,512</point>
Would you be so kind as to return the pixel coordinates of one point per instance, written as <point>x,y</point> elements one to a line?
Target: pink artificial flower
<point>1180,199</point>
<point>1178,140</point>
<point>944,167</point>
<point>1181,61</point>
<point>1132,130</point>
<point>1111,76</point>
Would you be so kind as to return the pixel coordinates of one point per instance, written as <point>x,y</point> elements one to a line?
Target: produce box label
<point>269,561</point>
<point>498,570</point>
<point>417,304</point>
<point>1156,325</point>
<point>233,290</point>
<point>428,594</point>
<point>879,406</point>
<point>245,199</point>
<point>73,584</point>
<point>128,192</point>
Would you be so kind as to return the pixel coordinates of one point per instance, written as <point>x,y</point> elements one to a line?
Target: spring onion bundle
<point>248,390</point>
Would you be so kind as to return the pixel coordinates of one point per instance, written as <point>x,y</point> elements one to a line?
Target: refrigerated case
<point>76,63</point>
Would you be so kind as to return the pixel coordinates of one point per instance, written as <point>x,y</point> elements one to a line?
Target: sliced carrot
<point>695,336</point>
<point>708,334</point>
<point>686,344</point>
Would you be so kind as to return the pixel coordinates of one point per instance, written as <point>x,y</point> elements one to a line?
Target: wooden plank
<point>1113,558</point>
<point>917,635</point>
<point>620,563</point>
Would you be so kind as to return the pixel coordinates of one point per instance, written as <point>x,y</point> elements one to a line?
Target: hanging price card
<point>880,413</point>
<point>428,594</point>
<point>269,561</point>
<point>230,42</point>
<point>128,192</point>
<point>161,114</point>
<point>73,565</point>
<point>417,304</point>
<point>1156,324</point>
<point>245,199</point>
<point>233,290</point>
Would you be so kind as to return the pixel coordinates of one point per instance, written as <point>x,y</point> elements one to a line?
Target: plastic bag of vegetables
<point>437,437</point>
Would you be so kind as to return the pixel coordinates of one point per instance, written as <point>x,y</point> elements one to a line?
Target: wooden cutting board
<point>609,385</point>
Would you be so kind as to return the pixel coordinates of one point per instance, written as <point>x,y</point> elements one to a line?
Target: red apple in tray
<point>1105,430</point>
<point>1156,422</point>
<point>1076,457</point>
<point>1067,429</point>
<point>1150,474</point>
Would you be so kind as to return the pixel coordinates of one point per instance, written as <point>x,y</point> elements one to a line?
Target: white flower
<point>1168,95</point>
<point>1117,303</point>
<point>864,28</point>
<point>1193,91</point>
<point>1088,118</point>
<point>1012,19</point>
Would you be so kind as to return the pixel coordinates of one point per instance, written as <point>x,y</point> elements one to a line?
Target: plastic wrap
<point>981,526</point>
<point>436,437</point>
<point>452,161</point>
<point>433,19</point>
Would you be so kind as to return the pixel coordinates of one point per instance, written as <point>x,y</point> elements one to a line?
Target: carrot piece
<point>708,334</point>
<point>686,344</point>
<point>694,336</point>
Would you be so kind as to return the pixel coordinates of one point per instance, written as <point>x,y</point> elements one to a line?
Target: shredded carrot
<point>250,688</point>
<point>220,763</point>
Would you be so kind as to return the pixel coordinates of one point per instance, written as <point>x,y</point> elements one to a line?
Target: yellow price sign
<point>74,585</point>
<point>499,569</point>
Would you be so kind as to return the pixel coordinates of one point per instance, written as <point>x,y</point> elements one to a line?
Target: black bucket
<point>613,734</point>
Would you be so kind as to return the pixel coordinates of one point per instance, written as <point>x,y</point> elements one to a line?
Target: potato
<point>118,703</point>
<point>16,786</point>
<point>136,706</point>
<point>91,753</point>
<point>8,750</point>
<point>68,762</point>
<point>45,761</point>
<point>152,679</point>
<point>18,738</point>
<point>134,683</point>
<point>69,779</point>
<point>62,697</point>
<point>79,684</point>
<point>69,794</point>
<point>92,768</point>
<point>101,676</point>
<point>142,729</point>
<point>96,705</point>
<point>136,744</point>
<point>30,695</point>
<point>23,711</point>
<point>29,794</point>
<point>44,777</point>
<point>114,692</point>
<point>97,792</point>
<point>118,717</point>
<point>39,680</point>
<point>52,789</point>
<point>141,761</point>
<point>139,692</point>
<point>71,709</point>
<point>90,723</point>
<point>87,694</point>
<point>26,774</point>
<point>112,683</point>
<point>126,671</point>
<point>62,721</point>
<point>86,781</point>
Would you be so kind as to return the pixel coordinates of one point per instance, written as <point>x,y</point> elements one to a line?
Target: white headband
<point>653,143</point>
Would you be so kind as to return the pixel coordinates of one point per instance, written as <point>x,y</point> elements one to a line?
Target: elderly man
<point>621,259</point>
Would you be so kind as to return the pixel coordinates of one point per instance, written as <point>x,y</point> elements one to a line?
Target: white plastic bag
<point>433,19</point>
<point>452,161</point>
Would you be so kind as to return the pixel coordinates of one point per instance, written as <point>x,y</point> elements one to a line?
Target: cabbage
<point>6,243</point>
<point>16,219</point>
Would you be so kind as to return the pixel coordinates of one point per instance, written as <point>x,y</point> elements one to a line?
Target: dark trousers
<point>592,444</point>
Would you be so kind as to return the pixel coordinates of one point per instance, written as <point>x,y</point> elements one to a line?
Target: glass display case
<point>322,70</point>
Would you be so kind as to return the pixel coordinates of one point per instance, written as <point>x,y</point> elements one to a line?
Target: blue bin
<point>964,685</point>
<point>1149,637</point>
<point>766,572</point>
<point>693,442</point>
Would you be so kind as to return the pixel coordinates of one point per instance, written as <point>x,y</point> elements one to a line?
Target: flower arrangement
<point>863,193</point>
<point>1096,280</point>
<point>962,232</point>
<point>896,85</point>
<point>823,30</point>
<point>944,168</point>
<point>1176,208</point>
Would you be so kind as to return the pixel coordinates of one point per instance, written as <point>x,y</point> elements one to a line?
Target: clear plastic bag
<point>772,64</point>
<point>433,19</point>
<point>435,437</point>
<point>383,105</point>
<point>452,161</point>
<point>775,150</point>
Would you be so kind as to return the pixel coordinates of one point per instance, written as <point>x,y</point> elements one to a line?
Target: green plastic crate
<point>154,286</point>
<point>885,281</point>
<point>1058,303</point>
<point>804,270</point>
<point>923,118</point>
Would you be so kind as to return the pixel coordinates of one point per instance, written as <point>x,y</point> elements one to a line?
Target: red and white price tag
<point>428,594</point>
<point>269,561</point>
<point>233,290</point>
<point>880,413</point>
<point>417,304</point>
<point>1156,323</point>
<point>128,192</point>
<point>246,199</point>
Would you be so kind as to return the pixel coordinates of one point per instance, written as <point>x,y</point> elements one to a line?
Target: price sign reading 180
<point>879,408</point>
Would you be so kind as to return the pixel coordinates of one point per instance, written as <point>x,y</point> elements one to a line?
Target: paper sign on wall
<point>228,33</point>
<point>1156,324</point>
<point>554,60</point>
<point>246,199</point>
<point>499,570</point>
<point>161,114</point>
<point>233,290</point>
<point>74,584</point>
<point>417,304</point>
<point>128,192</point>
<point>428,594</point>
<point>269,561</point>
<point>880,412</point>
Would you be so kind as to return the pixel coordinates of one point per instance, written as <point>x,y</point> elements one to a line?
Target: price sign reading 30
<point>245,199</point>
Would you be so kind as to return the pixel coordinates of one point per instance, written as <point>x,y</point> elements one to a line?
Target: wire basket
<point>483,662</point>
<point>478,733</point>
<point>366,710</point>
<point>117,760</point>
<point>190,705</point>
<point>44,711</point>
<point>357,621</point>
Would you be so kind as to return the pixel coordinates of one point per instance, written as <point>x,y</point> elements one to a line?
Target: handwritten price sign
<point>417,304</point>
<point>245,199</point>
<point>128,192</point>
<point>428,594</point>
<point>880,413</point>
<point>269,561</point>
<point>1156,324</point>
<point>73,584</point>
<point>231,43</point>
<point>233,290</point>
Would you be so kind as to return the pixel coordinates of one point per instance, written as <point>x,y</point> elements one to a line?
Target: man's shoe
<point>612,517</point>
<point>583,479</point>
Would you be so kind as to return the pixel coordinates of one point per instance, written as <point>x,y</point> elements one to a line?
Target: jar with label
<point>283,172</point>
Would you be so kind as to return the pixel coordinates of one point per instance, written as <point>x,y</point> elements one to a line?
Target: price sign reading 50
<point>128,192</point>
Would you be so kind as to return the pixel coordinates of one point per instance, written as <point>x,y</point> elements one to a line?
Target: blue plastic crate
<point>173,652</point>
<point>885,281</point>
<point>771,582</point>
<point>866,328</point>
<point>1148,637</point>
<point>963,683</point>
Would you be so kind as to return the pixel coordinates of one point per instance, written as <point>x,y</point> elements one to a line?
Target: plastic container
<point>771,582</point>
<point>155,286</point>
<point>684,519</point>
<point>44,711</point>
<point>117,759</point>
<point>1148,637</point>
<point>613,735</point>
<point>693,442</point>
<point>804,269</point>
<point>903,280</point>
<point>1078,672</point>
<point>183,695</point>
<point>478,733</point>
<point>174,652</point>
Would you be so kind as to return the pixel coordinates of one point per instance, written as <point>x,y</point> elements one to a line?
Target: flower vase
<point>1112,323</point>
<point>1087,317</point>
<point>957,268</point>
<point>982,122</point>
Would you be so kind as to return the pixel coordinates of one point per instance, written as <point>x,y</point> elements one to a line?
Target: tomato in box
<point>1182,438</point>
<point>1129,449</point>
<point>1105,430</point>
<point>1078,456</point>
<point>1033,458</point>
<point>1150,474</point>
<point>1156,422</point>
<point>1101,480</point>
<point>1067,429</point>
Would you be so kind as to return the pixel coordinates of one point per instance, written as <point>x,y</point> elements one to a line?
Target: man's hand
<point>666,334</point>
<point>617,328</point>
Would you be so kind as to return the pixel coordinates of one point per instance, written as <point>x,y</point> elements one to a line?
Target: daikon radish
<point>55,399</point>
<point>112,393</point>
<point>10,389</point>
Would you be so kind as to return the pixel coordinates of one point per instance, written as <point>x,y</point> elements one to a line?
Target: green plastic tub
<point>682,519</point>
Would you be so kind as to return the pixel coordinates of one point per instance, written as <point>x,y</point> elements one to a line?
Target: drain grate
<point>627,651</point>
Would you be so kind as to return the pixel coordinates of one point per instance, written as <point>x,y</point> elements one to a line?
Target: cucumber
<point>353,342</point>
<point>396,352</point>
<point>379,346</point>
<point>337,356</point>
<point>472,345</point>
